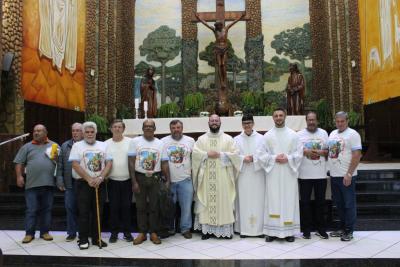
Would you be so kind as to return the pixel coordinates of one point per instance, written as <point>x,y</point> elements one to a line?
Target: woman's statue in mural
<point>295,91</point>
<point>148,92</point>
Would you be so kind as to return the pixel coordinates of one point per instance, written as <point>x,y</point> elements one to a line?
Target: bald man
<point>215,165</point>
<point>39,184</point>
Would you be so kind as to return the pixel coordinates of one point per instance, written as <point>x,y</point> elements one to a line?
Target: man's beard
<point>176,136</point>
<point>215,130</point>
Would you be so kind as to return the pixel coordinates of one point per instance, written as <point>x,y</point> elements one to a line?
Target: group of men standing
<point>248,184</point>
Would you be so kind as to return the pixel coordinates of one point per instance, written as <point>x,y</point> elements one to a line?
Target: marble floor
<point>366,244</point>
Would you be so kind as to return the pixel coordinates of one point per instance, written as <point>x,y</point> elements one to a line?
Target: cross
<point>220,14</point>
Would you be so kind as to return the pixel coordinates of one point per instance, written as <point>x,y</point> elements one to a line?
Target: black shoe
<point>306,235</point>
<point>227,237</point>
<point>270,238</point>
<point>289,239</point>
<point>128,237</point>
<point>205,236</point>
<point>243,236</point>
<point>113,238</point>
<point>337,233</point>
<point>70,238</point>
<point>347,236</point>
<point>187,234</point>
<point>83,244</point>
<point>163,234</point>
<point>322,234</point>
<point>96,243</point>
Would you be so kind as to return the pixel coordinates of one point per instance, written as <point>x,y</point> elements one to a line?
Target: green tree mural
<point>294,43</point>
<point>161,45</point>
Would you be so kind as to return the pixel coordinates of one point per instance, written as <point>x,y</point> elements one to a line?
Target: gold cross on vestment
<point>252,220</point>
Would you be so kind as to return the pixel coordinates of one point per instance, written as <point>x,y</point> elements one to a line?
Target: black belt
<point>156,175</point>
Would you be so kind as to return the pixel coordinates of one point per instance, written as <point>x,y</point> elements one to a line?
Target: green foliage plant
<point>193,103</point>
<point>168,110</point>
<point>354,119</point>
<point>324,113</point>
<point>101,122</point>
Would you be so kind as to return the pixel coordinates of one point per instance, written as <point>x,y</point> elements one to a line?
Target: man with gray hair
<point>66,183</point>
<point>344,156</point>
<point>91,165</point>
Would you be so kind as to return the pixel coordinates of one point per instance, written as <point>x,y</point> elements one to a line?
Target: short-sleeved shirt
<point>179,153</point>
<point>91,157</point>
<point>313,168</point>
<point>341,145</point>
<point>119,153</point>
<point>39,167</point>
<point>148,154</point>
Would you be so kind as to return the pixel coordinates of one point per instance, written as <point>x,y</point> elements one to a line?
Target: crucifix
<point>221,47</point>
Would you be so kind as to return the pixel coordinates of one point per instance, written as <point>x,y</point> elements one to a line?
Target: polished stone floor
<point>366,244</point>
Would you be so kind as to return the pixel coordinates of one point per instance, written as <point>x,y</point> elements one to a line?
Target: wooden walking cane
<point>98,216</point>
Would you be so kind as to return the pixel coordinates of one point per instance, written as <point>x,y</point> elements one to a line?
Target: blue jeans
<point>71,210</point>
<point>344,198</point>
<point>183,192</point>
<point>39,202</point>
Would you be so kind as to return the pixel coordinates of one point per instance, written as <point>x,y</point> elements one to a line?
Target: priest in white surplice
<point>250,186</point>
<point>215,163</point>
<point>280,155</point>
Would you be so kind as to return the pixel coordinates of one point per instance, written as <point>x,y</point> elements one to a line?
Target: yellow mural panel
<point>41,81</point>
<point>380,49</point>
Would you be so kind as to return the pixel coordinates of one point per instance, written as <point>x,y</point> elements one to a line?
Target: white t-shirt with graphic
<point>148,154</point>
<point>119,153</point>
<point>341,145</point>
<point>179,153</point>
<point>91,157</point>
<point>313,168</point>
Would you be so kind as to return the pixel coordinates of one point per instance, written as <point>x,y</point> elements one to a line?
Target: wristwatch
<point>349,175</point>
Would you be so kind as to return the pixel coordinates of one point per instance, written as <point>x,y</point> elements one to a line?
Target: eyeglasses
<point>247,122</point>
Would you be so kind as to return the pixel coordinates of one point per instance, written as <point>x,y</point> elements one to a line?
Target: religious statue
<point>148,92</point>
<point>295,91</point>
<point>221,45</point>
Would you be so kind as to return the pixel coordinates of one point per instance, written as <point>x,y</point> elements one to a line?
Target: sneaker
<point>187,235</point>
<point>113,238</point>
<point>337,233</point>
<point>347,236</point>
<point>96,243</point>
<point>289,239</point>
<point>306,235</point>
<point>83,244</point>
<point>322,234</point>
<point>46,236</point>
<point>27,239</point>
<point>128,237</point>
<point>270,238</point>
<point>70,238</point>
